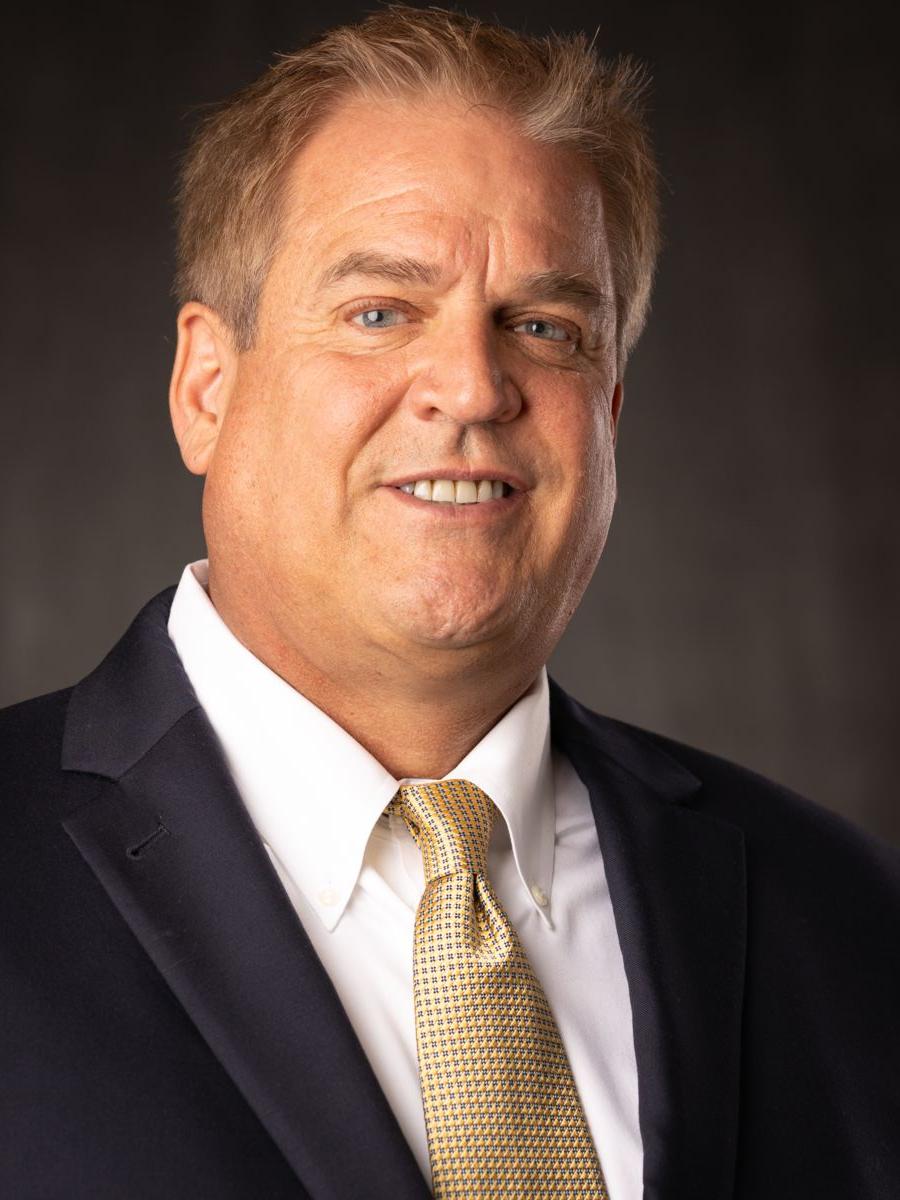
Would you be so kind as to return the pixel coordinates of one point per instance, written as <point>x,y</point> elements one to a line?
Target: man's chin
<point>455,621</point>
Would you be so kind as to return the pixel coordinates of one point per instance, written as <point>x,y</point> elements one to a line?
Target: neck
<point>418,718</point>
<point>409,737</point>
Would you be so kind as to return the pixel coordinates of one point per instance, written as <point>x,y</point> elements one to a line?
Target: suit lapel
<point>170,840</point>
<point>677,884</point>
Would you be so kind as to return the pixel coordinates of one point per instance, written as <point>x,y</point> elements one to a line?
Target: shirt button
<point>328,896</point>
<point>540,895</point>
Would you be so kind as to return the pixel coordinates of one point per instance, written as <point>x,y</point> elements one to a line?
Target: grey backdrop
<point>747,600</point>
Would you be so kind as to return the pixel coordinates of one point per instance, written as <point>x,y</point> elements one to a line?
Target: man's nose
<point>462,378</point>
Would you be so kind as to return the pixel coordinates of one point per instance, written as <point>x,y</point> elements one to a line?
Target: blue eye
<point>378,318</point>
<point>546,331</point>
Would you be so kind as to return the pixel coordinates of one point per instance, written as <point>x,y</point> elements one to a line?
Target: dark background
<point>747,600</point>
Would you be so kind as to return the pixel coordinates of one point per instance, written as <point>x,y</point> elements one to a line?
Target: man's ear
<point>203,375</point>
<point>615,408</point>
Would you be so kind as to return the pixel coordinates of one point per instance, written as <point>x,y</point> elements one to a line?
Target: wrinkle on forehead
<point>463,189</point>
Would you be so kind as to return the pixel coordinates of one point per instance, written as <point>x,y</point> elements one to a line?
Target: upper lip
<point>475,474</point>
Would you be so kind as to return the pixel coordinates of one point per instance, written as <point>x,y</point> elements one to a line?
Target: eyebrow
<point>383,266</point>
<point>576,288</point>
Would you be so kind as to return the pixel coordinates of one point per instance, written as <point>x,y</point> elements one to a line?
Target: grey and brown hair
<point>556,87</point>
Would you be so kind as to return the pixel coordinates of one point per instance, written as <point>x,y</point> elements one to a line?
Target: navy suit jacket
<point>168,1032</point>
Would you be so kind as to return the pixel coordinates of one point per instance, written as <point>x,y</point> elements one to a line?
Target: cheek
<point>585,460</point>
<point>294,438</point>
<point>575,429</point>
<point>599,491</point>
<point>332,407</point>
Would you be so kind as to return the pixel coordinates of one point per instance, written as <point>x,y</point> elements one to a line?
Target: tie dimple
<point>502,1112</point>
<point>451,825</point>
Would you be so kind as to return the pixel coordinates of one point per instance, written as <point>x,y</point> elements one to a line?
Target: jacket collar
<point>170,840</point>
<point>677,882</point>
<point>131,700</point>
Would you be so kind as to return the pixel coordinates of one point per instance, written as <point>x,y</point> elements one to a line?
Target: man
<point>317,886</point>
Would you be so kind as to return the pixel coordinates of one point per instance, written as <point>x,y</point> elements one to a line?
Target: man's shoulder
<point>789,834</point>
<point>34,790</point>
<point>31,733</point>
<point>757,802</point>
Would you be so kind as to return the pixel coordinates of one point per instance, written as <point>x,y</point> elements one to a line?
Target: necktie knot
<point>451,822</point>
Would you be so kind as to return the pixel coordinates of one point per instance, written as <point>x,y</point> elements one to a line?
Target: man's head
<point>418,249</point>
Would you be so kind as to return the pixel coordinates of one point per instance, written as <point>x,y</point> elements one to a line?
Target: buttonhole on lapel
<point>141,848</point>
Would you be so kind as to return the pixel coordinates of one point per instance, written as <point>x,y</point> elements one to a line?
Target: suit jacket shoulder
<point>822,892</point>
<point>797,849</point>
<point>750,917</point>
<point>31,739</point>
<point>809,841</point>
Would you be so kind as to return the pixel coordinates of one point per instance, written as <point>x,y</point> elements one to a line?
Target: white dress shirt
<point>355,877</point>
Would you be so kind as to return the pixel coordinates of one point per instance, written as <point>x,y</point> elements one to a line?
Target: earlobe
<point>201,381</point>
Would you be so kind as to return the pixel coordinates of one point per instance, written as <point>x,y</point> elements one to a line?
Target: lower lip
<point>475,513</point>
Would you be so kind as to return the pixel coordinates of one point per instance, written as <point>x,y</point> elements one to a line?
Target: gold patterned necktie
<point>502,1113</point>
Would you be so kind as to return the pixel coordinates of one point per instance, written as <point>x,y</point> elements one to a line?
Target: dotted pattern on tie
<point>502,1113</point>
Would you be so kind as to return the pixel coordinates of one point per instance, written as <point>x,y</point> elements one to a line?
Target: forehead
<point>444,181</point>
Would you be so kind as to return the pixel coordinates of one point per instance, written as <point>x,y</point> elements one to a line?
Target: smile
<point>457,491</point>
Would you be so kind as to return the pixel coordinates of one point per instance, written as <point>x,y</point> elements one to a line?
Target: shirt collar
<point>314,793</point>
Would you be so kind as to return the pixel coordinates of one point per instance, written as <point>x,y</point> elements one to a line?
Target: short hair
<point>556,88</point>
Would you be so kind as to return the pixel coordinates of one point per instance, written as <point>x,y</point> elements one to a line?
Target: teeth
<point>460,491</point>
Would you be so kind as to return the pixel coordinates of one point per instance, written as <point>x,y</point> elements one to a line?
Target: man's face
<point>439,308</point>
